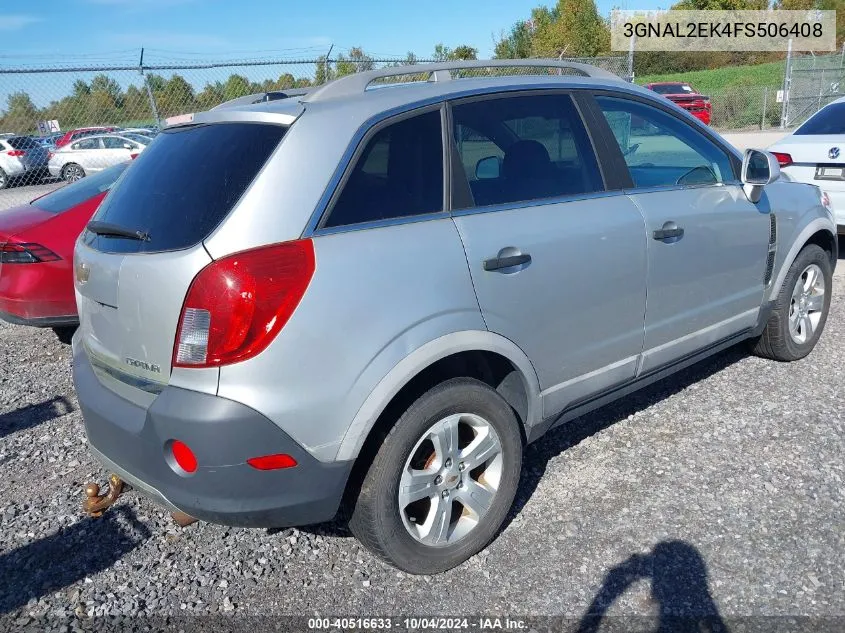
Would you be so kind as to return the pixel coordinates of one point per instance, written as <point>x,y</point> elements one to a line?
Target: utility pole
<point>326,64</point>
<point>150,96</point>
<point>787,80</point>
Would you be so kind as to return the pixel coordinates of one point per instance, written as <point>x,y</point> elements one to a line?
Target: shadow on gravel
<point>33,415</point>
<point>538,454</point>
<point>56,561</point>
<point>679,589</point>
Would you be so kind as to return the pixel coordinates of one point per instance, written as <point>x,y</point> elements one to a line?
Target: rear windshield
<point>80,191</point>
<point>183,185</point>
<point>828,120</point>
<point>672,89</point>
<point>23,142</point>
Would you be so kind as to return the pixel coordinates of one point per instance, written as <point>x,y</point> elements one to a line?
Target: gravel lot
<point>725,483</point>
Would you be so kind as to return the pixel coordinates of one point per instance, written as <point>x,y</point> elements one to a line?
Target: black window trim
<point>352,162</point>
<point>609,182</point>
<point>619,159</point>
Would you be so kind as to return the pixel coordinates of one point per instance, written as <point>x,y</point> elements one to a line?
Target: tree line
<point>569,28</point>
<point>574,28</point>
<point>102,101</point>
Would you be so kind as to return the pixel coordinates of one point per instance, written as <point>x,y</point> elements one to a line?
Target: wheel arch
<point>489,357</point>
<point>820,232</point>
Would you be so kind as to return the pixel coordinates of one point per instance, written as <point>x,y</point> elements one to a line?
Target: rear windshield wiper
<point>115,230</point>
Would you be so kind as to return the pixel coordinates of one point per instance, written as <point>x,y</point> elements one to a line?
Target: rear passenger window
<point>524,148</point>
<point>91,143</point>
<point>398,174</point>
<point>661,149</point>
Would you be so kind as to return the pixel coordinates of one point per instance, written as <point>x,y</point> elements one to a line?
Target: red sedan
<point>36,252</point>
<point>685,96</point>
<point>78,133</point>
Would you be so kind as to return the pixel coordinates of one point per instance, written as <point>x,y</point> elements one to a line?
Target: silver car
<point>95,153</point>
<point>382,296</point>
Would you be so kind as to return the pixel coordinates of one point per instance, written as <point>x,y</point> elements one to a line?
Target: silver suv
<point>381,291</point>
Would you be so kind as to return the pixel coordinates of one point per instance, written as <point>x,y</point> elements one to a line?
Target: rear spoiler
<point>260,97</point>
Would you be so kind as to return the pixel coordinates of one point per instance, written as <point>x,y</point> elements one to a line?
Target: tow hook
<point>95,503</point>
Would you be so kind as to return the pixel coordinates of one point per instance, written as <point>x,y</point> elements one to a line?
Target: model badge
<point>833,153</point>
<point>83,271</point>
<point>143,365</point>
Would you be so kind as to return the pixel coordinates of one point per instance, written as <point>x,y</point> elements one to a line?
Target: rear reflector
<point>26,253</point>
<point>183,456</point>
<point>272,462</point>
<point>784,160</point>
<point>237,305</point>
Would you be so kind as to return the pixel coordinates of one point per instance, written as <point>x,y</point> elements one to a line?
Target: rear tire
<point>455,497</point>
<point>800,310</point>
<point>4,179</point>
<point>72,172</point>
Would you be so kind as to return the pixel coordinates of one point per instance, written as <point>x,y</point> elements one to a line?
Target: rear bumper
<point>38,294</point>
<point>701,115</point>
<point>131,441</point>
<point>57,321</point>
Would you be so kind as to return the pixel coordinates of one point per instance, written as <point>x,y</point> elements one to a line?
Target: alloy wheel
<point>450,479</point>
<point>807,304</point>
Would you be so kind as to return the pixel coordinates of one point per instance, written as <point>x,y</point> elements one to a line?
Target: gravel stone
<point>728,477</point>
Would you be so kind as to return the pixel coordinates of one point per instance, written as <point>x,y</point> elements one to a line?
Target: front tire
<point>443,481</point>
<point>801,308</point>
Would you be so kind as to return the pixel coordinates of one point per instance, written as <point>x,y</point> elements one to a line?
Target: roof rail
<point>358,82</point>
<point>259,97</point>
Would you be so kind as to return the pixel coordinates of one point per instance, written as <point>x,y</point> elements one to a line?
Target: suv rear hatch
<point>141,251</point>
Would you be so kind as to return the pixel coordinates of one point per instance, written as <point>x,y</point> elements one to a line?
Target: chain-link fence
<point>745,107</point>
<point>66,122</point>
<point>812,81</point>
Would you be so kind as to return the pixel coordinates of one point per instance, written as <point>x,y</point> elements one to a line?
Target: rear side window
<point>828,120</point>
<point>80,191</point>
<point>183,185</point>
<point>90,143</point>
<point>398,174</point>
<point>524,148</point>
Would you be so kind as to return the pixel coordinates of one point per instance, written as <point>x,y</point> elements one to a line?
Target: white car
<point>95,153</point>
<point>815,153</point>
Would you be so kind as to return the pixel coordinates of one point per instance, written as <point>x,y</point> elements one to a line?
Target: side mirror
<point>488,168</point>
<point>758,170</point>
<point>128,146</point>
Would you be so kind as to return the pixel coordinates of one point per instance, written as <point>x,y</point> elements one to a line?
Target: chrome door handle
<point>669,231</point>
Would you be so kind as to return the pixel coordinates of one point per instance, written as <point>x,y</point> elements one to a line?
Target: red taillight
<point>133,156</point>
<point>183,456</point>
<point>272,462</point>
<point>784,160</point>
<point>26,253</point>
<point>238,304</point>
<point>16,152</point>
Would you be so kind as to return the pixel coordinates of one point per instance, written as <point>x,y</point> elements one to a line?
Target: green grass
<point>718,80</point>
